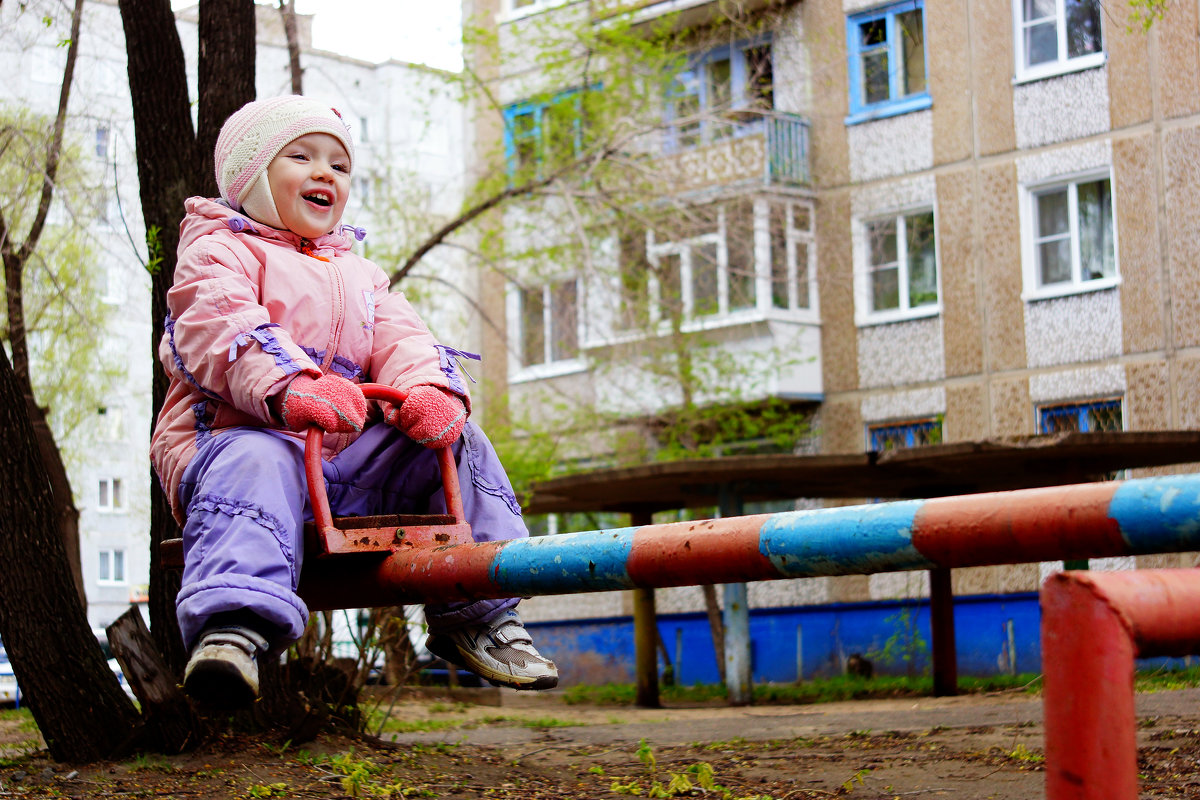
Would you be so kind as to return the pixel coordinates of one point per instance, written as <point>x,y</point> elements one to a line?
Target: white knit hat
<point>252,137</point>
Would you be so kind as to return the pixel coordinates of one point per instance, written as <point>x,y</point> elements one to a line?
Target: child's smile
<point>310,184</point>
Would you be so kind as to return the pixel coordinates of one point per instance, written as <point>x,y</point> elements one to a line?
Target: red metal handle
<point>316,479</point>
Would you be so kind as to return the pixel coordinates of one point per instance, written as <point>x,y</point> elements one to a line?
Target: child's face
<point>310,183</point>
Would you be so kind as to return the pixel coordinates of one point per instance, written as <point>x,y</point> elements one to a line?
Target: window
<point>1072,239</point>
<point>792,256</point>
<point>110,496</point>
<point>1055,36</point>
<point>518,8</point>
<point>895,435</point>
<point>537,133</point>
<point>549,319</point>
<point>716,96</point>
<point>702,263</point>
<point>1089,417</point>
<point>901,278</point>
<point>102,142</point>
<point>886,49</point>
<point>111,566</point>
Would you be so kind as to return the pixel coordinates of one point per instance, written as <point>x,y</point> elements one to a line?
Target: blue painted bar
<point>571,562</point>
<point>853,540</point>
<point>1157,515</point>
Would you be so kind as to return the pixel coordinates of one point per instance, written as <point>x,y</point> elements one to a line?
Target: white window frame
<point>1063,64</point>
<point>550,367</point>
<point>110,495</point>
<point>108,559</point>
<point>511,11</point>
<point>1034,290</point>
<point>864,315</point>
<point>793,237</point>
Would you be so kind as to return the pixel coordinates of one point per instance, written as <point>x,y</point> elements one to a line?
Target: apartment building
<point>408,130</point>
<point>972,220</point>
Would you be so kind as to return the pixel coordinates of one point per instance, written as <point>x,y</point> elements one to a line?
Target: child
<point>273,323</point>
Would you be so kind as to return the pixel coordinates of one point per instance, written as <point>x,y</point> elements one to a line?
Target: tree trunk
<point>76,700</point>
<point>174,163</point>
<point>287,10</point>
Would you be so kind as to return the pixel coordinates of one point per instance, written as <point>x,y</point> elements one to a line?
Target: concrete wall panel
<point>961,321</point>
<point>992,73</point>
<point>825,23</point>
<point>901,353</point>
<point>1178,60</point>
<point>1140,257</point>
<point>966,413</point>
<point>1012,413</point>
<point>840,427</point>
<point>1148,397</point>
<point>1130,89</point>
<point>1059,109</point>
<point>835,269</point>
<point>1000,267</point>
<point>1073,329</point>
<point>949,80</point>
<point>1181,166</point>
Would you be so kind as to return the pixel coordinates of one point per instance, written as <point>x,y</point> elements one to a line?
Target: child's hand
<point>430,416</point>
<point>331,401</point>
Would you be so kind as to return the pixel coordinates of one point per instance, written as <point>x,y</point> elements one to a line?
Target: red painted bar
<point>1093,626</point>
<point>667,555</point>
<point>1019,527</point>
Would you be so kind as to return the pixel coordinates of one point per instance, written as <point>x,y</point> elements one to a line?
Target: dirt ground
<point>492,744</point>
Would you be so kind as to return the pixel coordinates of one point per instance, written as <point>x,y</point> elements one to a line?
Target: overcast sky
<point>418,31</point>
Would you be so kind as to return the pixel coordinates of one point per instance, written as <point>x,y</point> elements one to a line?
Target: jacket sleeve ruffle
<point>222,340</point>
<point>405,354</point>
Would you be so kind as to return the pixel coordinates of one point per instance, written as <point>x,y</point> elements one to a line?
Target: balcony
<point>689,13</point>
<point>740,148</point>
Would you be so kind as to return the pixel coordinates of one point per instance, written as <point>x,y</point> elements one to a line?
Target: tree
<point>175,161</point>
<point>619,206</point>
<point>42,620</point>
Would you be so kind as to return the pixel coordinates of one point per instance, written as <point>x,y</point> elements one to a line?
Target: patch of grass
<point>1165,680</point>
<point>151,762</point>
<point>821,690</point>
<point>394,725</point>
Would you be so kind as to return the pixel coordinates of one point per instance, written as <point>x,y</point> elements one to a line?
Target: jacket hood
<point>204,216</point>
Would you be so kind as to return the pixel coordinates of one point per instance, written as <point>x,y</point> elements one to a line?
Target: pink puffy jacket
<point>251,306</point>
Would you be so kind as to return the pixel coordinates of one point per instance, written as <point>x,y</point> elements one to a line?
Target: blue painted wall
<point>601,650</point>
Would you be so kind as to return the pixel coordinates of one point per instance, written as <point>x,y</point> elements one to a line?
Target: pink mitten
<point>331,401</point>
<point>430,416</point>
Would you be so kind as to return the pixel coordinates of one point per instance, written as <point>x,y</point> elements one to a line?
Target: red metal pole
<point>1093,626</point>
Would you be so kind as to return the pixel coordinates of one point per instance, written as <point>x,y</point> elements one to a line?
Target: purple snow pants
<point>247,502</point>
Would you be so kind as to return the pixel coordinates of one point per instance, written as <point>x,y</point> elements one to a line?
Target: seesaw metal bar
<point>1095,520</point>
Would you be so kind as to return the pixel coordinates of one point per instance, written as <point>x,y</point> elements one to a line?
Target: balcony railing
<point>736,148</point>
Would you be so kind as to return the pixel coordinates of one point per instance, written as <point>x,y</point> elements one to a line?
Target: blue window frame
<point>895,435</point>
<point>1090,417</point>
<point>717,95</point>
<point>887,61</point>
<point>536,131</point>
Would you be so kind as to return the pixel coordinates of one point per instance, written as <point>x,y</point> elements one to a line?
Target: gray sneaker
<point>500,651</point>
<point>223,670</point>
